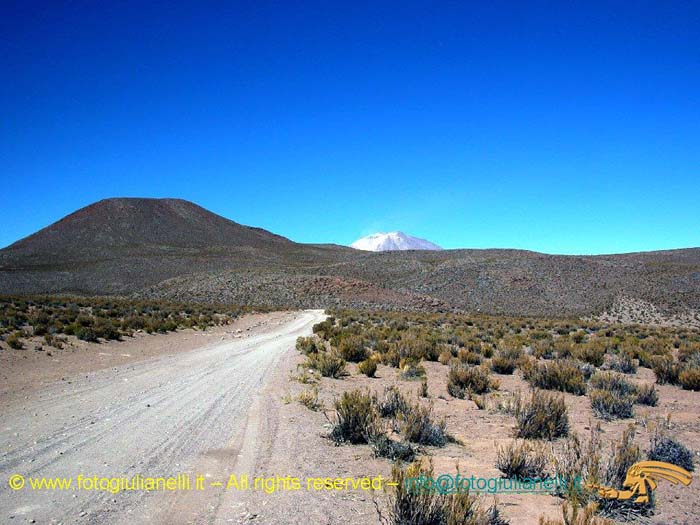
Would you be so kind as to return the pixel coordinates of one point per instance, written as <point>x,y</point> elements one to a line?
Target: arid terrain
<point>480,423</point>
<point>173,249</point>
<point>136,358</point>
<point>155,405</point>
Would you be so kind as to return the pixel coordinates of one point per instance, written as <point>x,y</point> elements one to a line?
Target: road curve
<point>155,418</point>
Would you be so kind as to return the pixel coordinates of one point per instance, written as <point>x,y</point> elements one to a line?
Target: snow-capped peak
<point>384,242</point>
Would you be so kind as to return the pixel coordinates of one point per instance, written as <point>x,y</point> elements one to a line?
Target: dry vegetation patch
<point>516,394</point>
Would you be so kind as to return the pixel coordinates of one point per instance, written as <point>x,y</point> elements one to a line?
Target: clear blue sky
<point>563,127</point>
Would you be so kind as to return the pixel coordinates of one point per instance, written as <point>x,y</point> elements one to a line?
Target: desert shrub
<point>324,329</point>
<point>564,376</point>
<point>392,403</point>
<point>367,367</point>
<point>469,357</point>
<point>356,418</point>
<point>506,361</point>
<point>14,341</point>
<point>545,349</point>
<point>40,329</point>
<point>85,333</point>
<point>391,357</point>
<point>665,369</point>
<point>417,426</point>
<point>592,352</point>
<point>309,398</point>
<point>625,453</point>
<point>412,505</point>
<point>353,349</point>
<point>445,357</point>
<point>689,352</point>
<point>327,364</point>
<point>411,369</point>
<point>664,448</point>
<point>612,382</point>
<point>106,330</point>
<point>563,348</point>
<point>522,460</point>
<point>609,405</point>
<point>572,514</point>
<point>309,345</point>
<point>463,380</point>
<point>647,395</point>
<point>689,378</point>
<point>624,362</point>
<point>53,340</point>
<point>383,447</point>
<point>544,416</point>
<point>423,392</point>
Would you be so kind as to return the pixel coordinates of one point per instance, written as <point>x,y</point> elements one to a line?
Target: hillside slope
<point>174,249</point>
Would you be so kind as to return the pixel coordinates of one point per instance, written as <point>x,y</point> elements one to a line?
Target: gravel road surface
<point>158,417</point>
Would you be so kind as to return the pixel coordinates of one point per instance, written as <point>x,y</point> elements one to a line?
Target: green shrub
<point>544,416</point>
<point>463,380</point>
<point>327,364</point>
<point>85,333</point>
<point>309,345</point>
<point>368,367</point>
<point>105,329</point>
<point>353,349</point>
<point>520,460</point>
<point>592,352</point>
<point>564,376</point>
<point>356,418</point>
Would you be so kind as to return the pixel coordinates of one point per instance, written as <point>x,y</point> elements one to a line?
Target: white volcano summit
<point>392,241</point>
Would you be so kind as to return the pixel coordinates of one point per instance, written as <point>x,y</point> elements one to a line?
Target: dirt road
<point>162,416</point>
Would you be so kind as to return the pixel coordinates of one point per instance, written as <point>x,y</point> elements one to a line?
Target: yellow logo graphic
<point>643,477</point>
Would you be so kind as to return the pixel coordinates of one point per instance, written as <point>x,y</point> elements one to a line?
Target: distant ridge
<point>174,249</point>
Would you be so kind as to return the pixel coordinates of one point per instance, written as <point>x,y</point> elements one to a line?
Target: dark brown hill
<point>136,225</point>
<point>119,246</point>
<point>175,249</point>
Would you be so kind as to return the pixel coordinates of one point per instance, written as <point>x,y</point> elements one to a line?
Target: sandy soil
<point>301,446</point>
<point>222,403</point>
